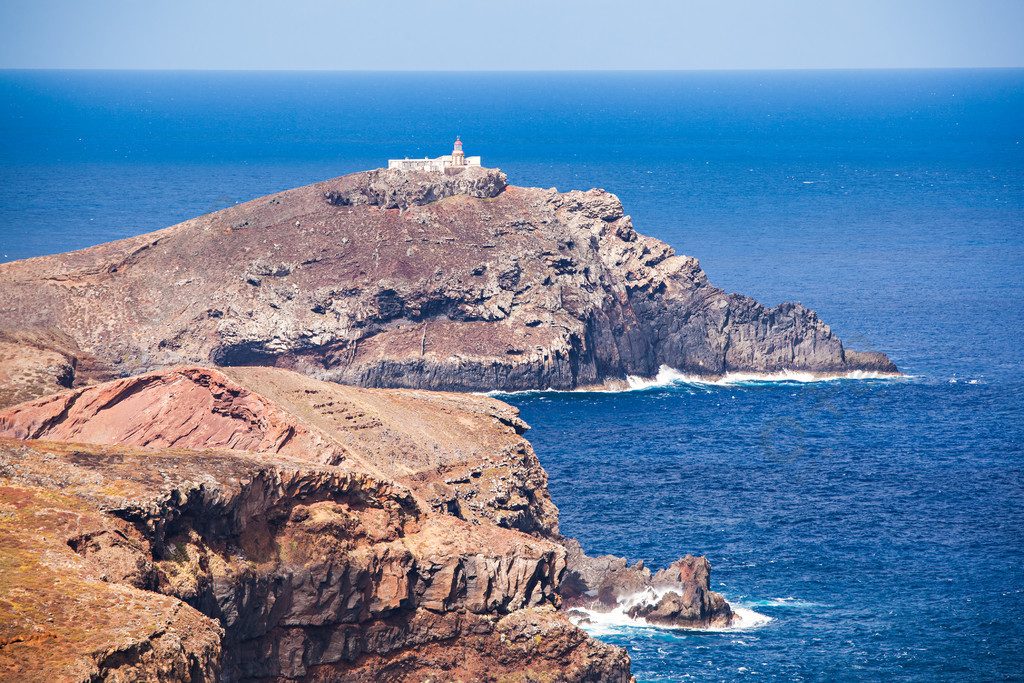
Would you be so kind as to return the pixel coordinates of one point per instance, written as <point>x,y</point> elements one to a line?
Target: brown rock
<point>39,361</point>
<point>31,366</point>
<point>689,602</point>
<point>66,617</point>
<point>533,644</point>
<point>678,596</point>
<point>601,583</point>
<point>310,570</point>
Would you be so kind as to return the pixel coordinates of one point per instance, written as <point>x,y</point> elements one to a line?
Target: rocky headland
<point>163,519</point>
<point>421,280</point>
<point>179,526</point>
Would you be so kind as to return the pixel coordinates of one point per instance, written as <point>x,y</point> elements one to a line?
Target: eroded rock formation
<point>679,596</point>
<point>281,545</point>
<point>266,568</point>
<point>423,280</point>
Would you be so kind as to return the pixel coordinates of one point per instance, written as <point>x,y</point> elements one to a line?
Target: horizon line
<point>507,71</point>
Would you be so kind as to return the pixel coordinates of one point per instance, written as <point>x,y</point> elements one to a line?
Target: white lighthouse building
<point>457,159</point>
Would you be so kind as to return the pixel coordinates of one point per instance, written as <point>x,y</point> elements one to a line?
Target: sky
<point>511,35</point>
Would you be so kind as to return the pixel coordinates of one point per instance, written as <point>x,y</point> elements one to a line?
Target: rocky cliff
<point>460,455</point>
<point>373,535</point>
<point>175,565</point>
<point>421,280</point>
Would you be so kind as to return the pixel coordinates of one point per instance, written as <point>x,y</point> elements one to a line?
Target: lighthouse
<point>455,162</point>
<point>458,158</point>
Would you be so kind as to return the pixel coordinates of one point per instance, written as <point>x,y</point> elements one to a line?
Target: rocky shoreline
<point>262,544</point>
<point>229,451</point>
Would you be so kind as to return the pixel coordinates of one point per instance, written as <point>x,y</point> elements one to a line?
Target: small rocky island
<point>390,278</point>
<point>230,449</point>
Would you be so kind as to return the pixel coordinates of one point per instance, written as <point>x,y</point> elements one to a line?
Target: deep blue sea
<point>879,524</point>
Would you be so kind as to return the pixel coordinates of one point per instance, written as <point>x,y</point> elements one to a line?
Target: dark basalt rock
<point>678,596</point>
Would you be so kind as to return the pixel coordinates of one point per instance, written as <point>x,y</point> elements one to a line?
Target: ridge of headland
<point>388,278</point>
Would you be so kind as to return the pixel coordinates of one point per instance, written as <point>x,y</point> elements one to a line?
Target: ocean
<point>876,526</point>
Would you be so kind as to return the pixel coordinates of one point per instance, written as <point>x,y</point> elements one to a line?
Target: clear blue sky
<point>523,34</point>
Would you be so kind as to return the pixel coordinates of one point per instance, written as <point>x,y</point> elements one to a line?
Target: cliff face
<point>404,279</point>
<point>315,533</point>
<point>63,617</point>
<point>169,565</point>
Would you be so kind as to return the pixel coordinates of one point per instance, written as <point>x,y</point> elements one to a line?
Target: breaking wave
<point>669,377</point>
<point>792,603</point>
<point>618,621</point>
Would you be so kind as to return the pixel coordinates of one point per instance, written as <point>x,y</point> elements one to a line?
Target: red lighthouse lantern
<point>458,158</point>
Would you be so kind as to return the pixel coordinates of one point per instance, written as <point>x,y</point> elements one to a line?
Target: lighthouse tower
<point>458,158</point>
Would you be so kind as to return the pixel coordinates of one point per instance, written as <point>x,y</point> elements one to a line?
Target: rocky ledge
<point>422,280</point>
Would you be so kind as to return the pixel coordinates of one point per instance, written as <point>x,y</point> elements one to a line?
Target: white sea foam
<point>670,377</point>
<point>748,618</point>
<point>785,602</point>
<point>618,620</point>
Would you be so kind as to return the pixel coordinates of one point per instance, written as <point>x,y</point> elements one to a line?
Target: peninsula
<point>449,280</point>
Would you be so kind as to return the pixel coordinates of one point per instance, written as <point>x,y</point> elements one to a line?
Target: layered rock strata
<point>178,565</point>
<point>461,455</point>
<point>421,280</point>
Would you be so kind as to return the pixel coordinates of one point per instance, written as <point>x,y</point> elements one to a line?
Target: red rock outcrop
<point>184,408</point>
<point>390,278</point>
<point>462,455</point>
